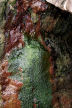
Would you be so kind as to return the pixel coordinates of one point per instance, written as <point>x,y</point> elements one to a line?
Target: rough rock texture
<point>52,28</point>
<point>1,43</point>
<point>62,4</point>
<point>31,65</point>
<point>1,28</point>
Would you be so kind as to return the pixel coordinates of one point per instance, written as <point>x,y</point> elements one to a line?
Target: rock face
<point>63,4</point>
<point>2,22</point>
<point>38,47</point>
<point>30,65</point>
<point>1,44</point>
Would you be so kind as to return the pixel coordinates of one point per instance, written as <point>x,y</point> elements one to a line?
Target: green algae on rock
<point>26,64</point>
<point>34,62</point>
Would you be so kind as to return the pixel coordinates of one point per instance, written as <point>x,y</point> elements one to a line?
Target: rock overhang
<point>62,4</point>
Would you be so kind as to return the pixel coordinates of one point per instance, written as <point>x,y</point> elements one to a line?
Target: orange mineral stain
<point>14,26</point>
<point>10,88</point>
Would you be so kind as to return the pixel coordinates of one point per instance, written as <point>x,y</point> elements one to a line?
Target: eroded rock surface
<point>63,4</point>
<point>52,28</point>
